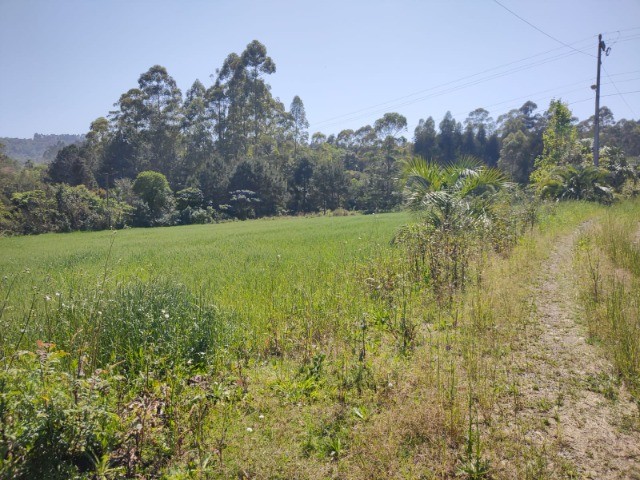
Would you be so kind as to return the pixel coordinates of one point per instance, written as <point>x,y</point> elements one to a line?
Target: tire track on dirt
<point>571,399</point>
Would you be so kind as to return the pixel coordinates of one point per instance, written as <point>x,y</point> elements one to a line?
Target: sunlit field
<point>298,348</point>
<point>251,268</point>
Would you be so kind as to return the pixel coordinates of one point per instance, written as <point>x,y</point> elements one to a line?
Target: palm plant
<point>577,182</point>
<point>451,195</point>
<point>453,200</point>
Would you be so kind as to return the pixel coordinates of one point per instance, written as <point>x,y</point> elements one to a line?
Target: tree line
<point>232,150</point>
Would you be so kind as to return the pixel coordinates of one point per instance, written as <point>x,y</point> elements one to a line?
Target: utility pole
<point>596,125</point>
<point>108,211</point>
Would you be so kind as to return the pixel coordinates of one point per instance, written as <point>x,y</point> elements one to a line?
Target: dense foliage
<point>232,150</point>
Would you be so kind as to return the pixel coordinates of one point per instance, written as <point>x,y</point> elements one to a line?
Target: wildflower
<point>249,429</point>
<point>47,298</point>
<point>260,416</point>
<point>166,315</point>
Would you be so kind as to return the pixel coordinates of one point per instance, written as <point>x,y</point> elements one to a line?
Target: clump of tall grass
<point>129,321</point>
<point>101,381</point>
<point>608,257</point>
<point>452,234</point>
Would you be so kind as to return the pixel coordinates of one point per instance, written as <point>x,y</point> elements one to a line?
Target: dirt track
<point>572,402</point>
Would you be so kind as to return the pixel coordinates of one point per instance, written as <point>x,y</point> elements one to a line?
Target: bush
<point>36,212</point>
<point>155,202</point>
<point>54,423</point>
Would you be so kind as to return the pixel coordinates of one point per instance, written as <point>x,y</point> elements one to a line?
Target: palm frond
<point>448,194</point>
<point>425,174</point>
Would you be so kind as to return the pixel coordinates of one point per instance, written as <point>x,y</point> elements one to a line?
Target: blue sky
<point>66,62</point>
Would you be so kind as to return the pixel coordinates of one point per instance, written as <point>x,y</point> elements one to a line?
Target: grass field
<point>201,253</point>
<point>285,348</point>
<point>242,266</point>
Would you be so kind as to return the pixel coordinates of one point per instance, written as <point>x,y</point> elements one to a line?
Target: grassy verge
<point>608,257</point>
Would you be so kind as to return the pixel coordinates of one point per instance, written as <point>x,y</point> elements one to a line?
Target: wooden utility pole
<point>596,124</point>
<point>108,211</point>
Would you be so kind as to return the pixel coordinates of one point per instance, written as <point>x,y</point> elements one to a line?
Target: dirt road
<point>572,403</point>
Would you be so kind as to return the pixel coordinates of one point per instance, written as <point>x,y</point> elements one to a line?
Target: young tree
<point>390,125</point>
<point>469,146</point>
<point>265,182</point>
<point>449,193</point>
<point>256,64</point>
<point>318,139</point>
<point>197,137</point>
<point>560,145</point>
<point>425,139</point>
<point>162,112</point>
<point>576,182</point>
<point>513,157</point>
<point>382,169</point>
<point>330,184</point>
<point>249,106</point>
<point>449,139</point>
<point>300,124</point>
<point>480,118</point>
<point>299,185</point>
<point>96,144</point>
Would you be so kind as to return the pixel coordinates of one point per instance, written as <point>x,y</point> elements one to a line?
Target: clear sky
<point>66,62</point>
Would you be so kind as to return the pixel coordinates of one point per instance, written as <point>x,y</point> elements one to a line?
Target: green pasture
<point>196,254</point>
<point>262,270</point>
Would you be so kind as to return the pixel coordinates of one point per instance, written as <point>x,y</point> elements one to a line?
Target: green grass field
<point>212,254</point>
<point>251,268</point>
<point>284,348</point>
<point>210,299</point>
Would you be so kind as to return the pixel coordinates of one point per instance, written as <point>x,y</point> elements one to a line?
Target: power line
<point>616,87</point>
<point>622,30</point>
<point>356,115</point>
<point>621,93</point>
<point>624,73</point>
<point>625,39</point>
<point>541,31</point>
<point>408,99</point>
<point>608,95</point>
<point>343,117</point>
<point>557,93</point>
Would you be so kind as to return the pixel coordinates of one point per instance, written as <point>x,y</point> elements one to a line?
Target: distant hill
<point>39,149</point>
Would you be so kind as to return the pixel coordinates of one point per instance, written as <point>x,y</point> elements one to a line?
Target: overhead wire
<point>392,103</point>
<point>623,73</point>
<point>608,95</point>
<point>542,31</point>
<point>617,90</point>
<point>557,93</point>
<point>369,112</point>
<point>628,38</point>
<point>621,30</point>
<point>409,100</point>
